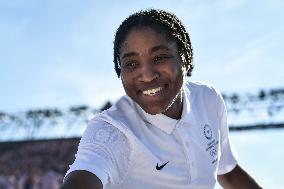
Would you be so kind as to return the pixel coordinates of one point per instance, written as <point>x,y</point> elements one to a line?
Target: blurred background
<point>56,73</point>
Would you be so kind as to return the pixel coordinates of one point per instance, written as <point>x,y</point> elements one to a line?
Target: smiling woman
<point>152,72</point>
<point>166,132</point>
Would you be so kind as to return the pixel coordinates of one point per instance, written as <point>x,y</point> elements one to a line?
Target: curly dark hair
<point>162,22</point>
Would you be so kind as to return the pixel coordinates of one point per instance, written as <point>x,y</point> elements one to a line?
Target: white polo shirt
<point>127,148</point>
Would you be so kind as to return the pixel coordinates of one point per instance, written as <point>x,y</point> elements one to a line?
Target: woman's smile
<point>152,92</point>
<point>151,71</point>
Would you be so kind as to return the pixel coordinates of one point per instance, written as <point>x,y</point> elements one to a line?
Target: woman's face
<point>152,71</point>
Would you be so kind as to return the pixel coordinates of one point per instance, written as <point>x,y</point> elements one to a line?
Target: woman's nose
<point>148,73</point>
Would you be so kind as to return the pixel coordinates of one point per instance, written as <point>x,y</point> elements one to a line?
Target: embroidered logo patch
<point>161,166</point>
<point>207,132</point>
<point>212,143</point>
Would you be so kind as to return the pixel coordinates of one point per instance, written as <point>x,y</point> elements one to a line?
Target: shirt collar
<point>186,110</point>
<point>162,121</point>
<point>188,113</point>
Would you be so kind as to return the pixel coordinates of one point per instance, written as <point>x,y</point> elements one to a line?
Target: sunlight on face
<point>152,72</point>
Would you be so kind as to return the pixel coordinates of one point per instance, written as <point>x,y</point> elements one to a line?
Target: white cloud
<point>91,86</point>
<point>260,155</point>
<point>247,66</point>
<point>74,45</point>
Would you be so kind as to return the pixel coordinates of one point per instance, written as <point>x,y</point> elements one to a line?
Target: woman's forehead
<point>138,35</point>
<point>148,40</point>
<point>157,29</point>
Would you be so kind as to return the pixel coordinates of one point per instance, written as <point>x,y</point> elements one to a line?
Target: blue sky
<point>260,156</point>
<point>58,53</point>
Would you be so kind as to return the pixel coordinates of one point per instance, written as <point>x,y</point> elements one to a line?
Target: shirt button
<point>178,125</point>
<point>187,144</point>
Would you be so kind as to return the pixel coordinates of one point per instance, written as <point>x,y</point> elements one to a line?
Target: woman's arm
<point>237,178</point>
<point>82,180</point>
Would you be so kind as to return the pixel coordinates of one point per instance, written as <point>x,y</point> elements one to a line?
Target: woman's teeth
<point>152,92</point>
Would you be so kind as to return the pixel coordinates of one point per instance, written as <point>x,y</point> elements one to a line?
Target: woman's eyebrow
<point>129,54</point>
<point>160,47</point>
<point>153,49</point>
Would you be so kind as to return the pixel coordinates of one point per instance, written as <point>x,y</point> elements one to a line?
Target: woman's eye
<point>161,58</point>
<point>130,64</point>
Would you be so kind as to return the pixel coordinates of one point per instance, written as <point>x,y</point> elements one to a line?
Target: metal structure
<point>259,110</point>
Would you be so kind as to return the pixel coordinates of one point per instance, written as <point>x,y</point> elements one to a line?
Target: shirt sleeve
<point>104,151</point>
<point>227,158</point>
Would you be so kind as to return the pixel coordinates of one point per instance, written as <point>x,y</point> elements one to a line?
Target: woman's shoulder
<point>201,88</point>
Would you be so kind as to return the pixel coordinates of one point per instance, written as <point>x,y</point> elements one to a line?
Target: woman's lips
<point>152,92</point>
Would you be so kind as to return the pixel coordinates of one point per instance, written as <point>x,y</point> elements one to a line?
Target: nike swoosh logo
<point>161,167</point>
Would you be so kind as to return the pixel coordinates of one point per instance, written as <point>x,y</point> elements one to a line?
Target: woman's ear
<point>184,65</point>
<point>183,58</point>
